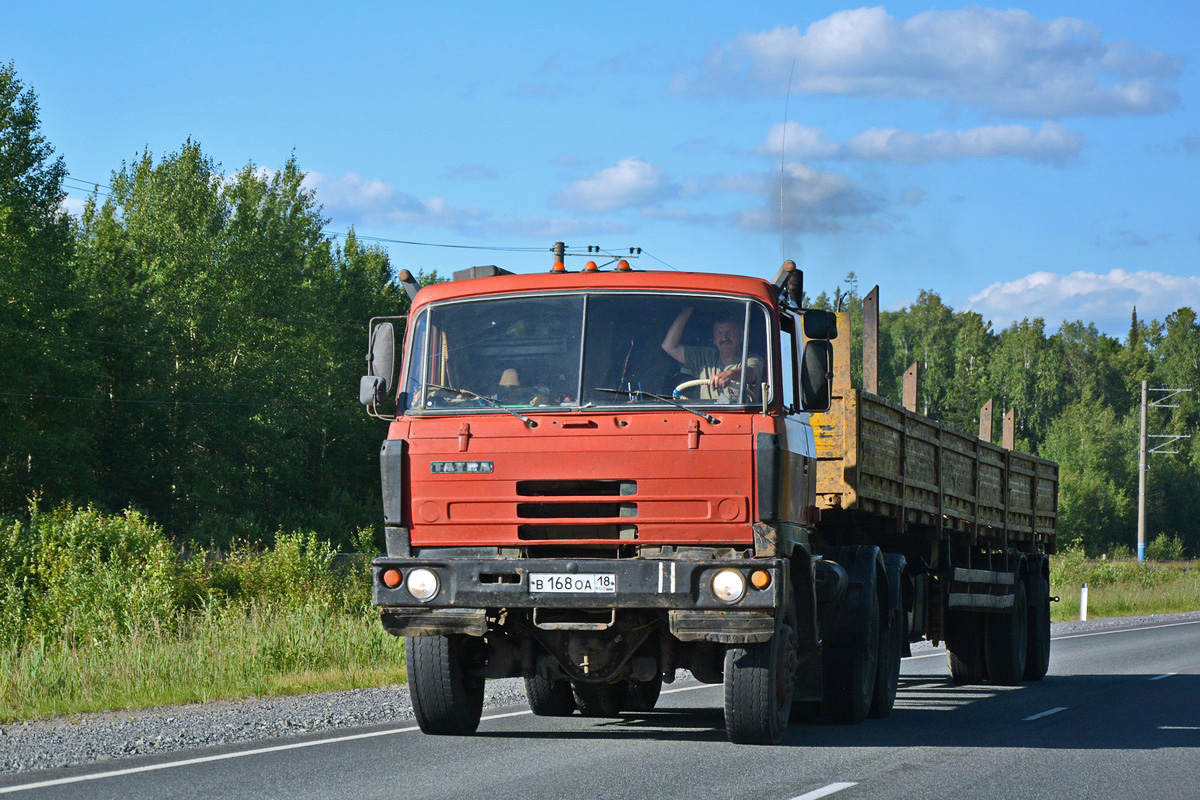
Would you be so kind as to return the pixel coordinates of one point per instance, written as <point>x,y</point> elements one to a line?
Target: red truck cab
<point>593,478</point>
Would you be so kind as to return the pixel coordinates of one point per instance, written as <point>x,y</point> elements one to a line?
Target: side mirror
<point>816,376</point>
<point>374,388</point>
<point>820,325</point>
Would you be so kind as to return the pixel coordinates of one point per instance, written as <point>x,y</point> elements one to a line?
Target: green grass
<point>103,612</point>
<point>1121,587</point>
<point>257,651</point>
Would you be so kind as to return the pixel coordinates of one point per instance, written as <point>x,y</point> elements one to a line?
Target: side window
<point>415,365</point>
<point>789,346</point>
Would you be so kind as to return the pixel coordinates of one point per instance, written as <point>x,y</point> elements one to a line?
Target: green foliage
<point>81,571</point>
<point>98,611</point>
<point>1164,548</point>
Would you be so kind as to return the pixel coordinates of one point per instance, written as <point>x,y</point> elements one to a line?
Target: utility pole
<point>1144,451</point>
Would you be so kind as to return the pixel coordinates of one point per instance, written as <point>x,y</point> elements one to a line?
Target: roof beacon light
<point>623,266</point>
<point>559,267</point>
<point>591,267</point>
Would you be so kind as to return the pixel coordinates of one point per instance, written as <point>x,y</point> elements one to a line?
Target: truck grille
<point>576,488</point>
<point>559,532</point>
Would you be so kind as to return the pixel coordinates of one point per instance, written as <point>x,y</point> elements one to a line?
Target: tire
<point>643,695</point>
<point>887,667</point>
<point>446,699</point>
<point>1037,653</point>
<point>852,663</point>
<point>600,699</point>
<point>964,647</point>
<point>549,698</point>
<point>759,680</point>
<point>1006,640</point>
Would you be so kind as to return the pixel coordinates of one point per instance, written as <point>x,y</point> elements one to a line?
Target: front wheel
<point>759,681</point>
<point>447,699</point>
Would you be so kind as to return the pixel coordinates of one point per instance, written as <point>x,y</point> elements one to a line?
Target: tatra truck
<point>592,479</point>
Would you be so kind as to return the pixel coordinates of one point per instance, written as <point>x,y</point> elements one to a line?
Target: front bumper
<point>640,584</point>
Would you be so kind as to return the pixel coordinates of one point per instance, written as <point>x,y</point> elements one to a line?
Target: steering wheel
<point>677,394</point>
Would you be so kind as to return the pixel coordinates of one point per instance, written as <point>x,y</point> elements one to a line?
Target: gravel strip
<point>89,738</point>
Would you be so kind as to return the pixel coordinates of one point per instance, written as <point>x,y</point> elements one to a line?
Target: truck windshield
<point>550,351</point>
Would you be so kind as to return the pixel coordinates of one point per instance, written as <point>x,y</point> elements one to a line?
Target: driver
<point>720,365</point>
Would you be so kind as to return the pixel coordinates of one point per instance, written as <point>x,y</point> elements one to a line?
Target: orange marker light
<point>591,267</point>
<point>392,578</point>
<point>559,267</point>
<point>760,579</point>
<point>623,266</point>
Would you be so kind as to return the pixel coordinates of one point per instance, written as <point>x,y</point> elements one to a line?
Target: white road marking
<point>833,787</point>
<point>1178,728</point>
<point>1126,630</point>
<point>1160,677</point>
<point>1046,713</point>
<point>95,776</point>
<point>824,791</point>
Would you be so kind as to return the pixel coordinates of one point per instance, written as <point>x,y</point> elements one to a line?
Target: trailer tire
<point>852,664</point>
<point>759,682</point>
<point>549,698</point>
<point>964,647</point>
<point>447,700</point>
<point>643,695</point>
<point>1006,643</point>
<point>600,699</point>
<point>887,670</point>
<point>1037,658</point>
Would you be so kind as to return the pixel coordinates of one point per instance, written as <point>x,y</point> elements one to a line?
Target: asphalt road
<point>1118,716</point>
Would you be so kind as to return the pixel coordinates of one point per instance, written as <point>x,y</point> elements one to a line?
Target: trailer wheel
<point>964,647</point>
<point>887,670</point>
<point>643,695</point>
<point>600,699</point>
<point>852,664</point>
<point>549,698</point>
<point>1037,658</point>
<point>759,681</point>
<point>446,699</point>
<point>1006,640</point>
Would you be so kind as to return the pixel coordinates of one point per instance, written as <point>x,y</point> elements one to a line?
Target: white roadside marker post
<point>1083,603</point>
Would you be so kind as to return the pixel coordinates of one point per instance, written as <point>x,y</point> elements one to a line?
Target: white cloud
<point>1053,143</point>
<point>629,182</point>
<point>353,198</point>
<point>801,141</point>
<point>74,205</point>
<point>992,60</point>
<point>1103,298</point>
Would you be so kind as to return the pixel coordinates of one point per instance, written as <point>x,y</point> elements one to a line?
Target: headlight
<point>728,586</point>
<point>422,584</point>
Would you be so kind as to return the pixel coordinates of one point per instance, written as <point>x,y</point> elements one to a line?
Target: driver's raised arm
<point>672,342</point>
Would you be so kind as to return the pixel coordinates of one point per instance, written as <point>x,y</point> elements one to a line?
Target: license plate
<point>595,583</point>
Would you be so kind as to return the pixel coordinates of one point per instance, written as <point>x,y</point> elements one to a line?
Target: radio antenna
<point>782,154</point>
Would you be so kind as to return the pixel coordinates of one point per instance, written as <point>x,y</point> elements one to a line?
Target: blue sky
<point>1034,160</point>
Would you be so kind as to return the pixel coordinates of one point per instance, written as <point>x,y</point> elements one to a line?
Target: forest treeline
<point>190,346</point>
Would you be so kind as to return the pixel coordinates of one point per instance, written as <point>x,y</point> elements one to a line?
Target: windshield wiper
<point>676,403</point>
<point>493,402</point>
